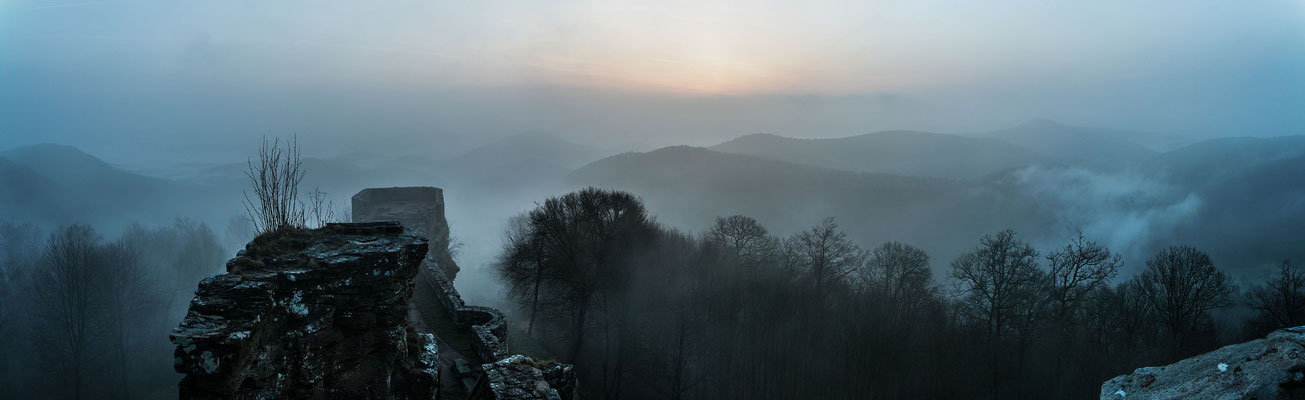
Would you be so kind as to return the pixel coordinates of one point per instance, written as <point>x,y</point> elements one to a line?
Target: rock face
<point>310,314</point>
<point>519,377</point>
<point>419,208</point>
<point>1269,368</point>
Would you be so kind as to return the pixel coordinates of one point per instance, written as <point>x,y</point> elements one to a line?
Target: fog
<point>1139,126</point>
<point>1128,210</point>
<point>156,83</point>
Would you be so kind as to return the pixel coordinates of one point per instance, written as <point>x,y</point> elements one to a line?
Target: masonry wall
<point>422,208</point>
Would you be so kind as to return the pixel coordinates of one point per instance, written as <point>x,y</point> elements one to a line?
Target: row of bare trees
<point>86,317</point>
<point>736,312</point>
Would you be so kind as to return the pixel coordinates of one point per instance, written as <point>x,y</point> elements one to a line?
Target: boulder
<point>1269,368</point>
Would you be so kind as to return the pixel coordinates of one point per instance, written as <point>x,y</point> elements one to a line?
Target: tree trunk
<point>579,327</point>
<point>534,305</point>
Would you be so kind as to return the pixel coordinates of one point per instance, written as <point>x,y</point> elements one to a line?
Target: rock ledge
<point>310,314</point>
<point>1269,368</point>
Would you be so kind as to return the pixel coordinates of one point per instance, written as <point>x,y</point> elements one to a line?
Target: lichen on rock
<point>520,377</point>
<point>1269,368</point>
<point>301,314</point>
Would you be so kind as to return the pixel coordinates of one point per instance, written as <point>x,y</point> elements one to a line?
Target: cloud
<point>1125,210</point>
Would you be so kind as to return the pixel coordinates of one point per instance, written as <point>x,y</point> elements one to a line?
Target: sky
<point>176,81</point>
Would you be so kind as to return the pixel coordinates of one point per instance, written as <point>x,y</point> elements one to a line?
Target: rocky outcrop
<point>1269,368</point>
<point>311,314</point>
<point>420,209</point>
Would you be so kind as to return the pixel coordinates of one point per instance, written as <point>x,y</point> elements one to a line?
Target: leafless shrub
<point>321,210</point>
<point>275,179</point>
<point>345,214</point>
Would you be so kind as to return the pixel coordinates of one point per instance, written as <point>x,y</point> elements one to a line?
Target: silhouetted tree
<point>825,255</point>
<point>670,315</point>
<point>524,264</point>
<point>20,252</point>
<point>901,273</point>
<point>1079,268</point>
<point>996,280</point>
<point>1181,285</point>
<point>743,235</point>
<point>130,299</point>
<point>69,300</point>
<point>1280,302</point>
<point>587,236</point>
<point>999,285</point>
<point>178,256</point>
<point>1075,271</point>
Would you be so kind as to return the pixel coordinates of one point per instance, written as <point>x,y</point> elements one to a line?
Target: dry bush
<point>275,179</point>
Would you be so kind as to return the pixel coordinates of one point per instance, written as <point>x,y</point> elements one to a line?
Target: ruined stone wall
<point>420,209</point>
<point>520,377</point>
<point>488,325</point>
<point>310,314</point>
<point>505,375</point>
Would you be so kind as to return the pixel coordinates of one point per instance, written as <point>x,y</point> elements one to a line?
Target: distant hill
<point>1099,148</point>
<point>891,152</point>
<point>1249,218</point>
<point>1216,160</point>
<point>526,157</point>
<point>26,195</point>
<point>61,184</point>
<point>688,187</point>
<point>70,166</point>
<point>532,148</point>
<point>1239,198</point>
<point>1252,216</point>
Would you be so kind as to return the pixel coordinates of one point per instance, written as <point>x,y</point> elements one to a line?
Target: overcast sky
<point>190,80</point>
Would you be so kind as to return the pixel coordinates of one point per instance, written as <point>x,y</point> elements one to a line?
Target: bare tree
<point>825,254</point>
<point>742,234</point>
<point>130,298</point>
<point>1181,285</point>
<point>999,285</point>
<point>996,279</point>
<point>674,278</point>
<point>1079,268</point>
<point>275,180</point>
<point>20,252</point>
<point>901,273</point>
<point>1280,301</point>
<point>68,302</point>
<point>523,265</point>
